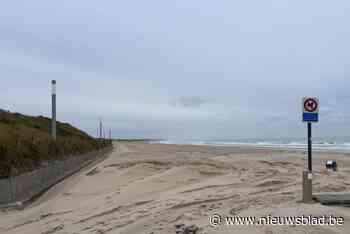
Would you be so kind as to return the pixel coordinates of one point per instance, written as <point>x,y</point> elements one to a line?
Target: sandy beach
<point>151,188</point>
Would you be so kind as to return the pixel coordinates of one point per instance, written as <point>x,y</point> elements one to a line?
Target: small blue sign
<point>310,117</point>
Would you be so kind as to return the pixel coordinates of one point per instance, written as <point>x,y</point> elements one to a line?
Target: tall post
<point>100,129</point>
<point>53,124</point>
<point>310,108</point>
<point>309,146</point>
<point>307,175</point>
<point>110,134</point>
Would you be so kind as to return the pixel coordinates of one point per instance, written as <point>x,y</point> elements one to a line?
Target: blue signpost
<point>310,107</point>
<point>310,117</point>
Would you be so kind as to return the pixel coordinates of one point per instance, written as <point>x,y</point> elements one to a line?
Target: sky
<point>179,69</point>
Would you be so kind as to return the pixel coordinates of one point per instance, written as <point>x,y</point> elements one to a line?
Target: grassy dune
<point>25,142</point>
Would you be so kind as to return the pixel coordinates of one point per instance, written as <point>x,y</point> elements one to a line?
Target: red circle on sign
<point>310,105</point>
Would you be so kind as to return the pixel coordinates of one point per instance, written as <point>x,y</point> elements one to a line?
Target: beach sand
<point>150,188</point>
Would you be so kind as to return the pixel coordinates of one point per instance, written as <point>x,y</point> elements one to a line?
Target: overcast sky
<point>179,69</point>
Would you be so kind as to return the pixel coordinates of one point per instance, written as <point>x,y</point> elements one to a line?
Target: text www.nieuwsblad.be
<point>303,220</point>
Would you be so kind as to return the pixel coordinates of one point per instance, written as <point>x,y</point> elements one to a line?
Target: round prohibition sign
<point>310,105</point>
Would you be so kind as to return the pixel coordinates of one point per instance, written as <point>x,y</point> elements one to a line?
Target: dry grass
<point>25,142</point>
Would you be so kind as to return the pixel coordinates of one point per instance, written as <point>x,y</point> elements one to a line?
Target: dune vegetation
<point>25,142</point>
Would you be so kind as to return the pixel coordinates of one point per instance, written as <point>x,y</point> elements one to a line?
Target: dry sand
<point>149,188</point>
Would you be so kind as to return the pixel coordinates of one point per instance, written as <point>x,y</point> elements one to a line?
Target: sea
<point>335,144</point>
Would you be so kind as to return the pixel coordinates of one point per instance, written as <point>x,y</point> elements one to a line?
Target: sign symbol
<point>310,105</point>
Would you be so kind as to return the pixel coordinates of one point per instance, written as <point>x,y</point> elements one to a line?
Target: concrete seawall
<point>24,187</point>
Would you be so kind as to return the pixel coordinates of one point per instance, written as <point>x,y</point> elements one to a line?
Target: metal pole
<point>307,175</point>
<point>53,125</point>
<point>100,129</point>
<point>309,146</point>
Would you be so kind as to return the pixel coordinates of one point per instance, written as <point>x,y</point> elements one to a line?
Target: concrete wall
<point>25,186</point>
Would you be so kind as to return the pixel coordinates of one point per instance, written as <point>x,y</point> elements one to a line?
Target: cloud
<point>188,102</point>
<point>180,69</point>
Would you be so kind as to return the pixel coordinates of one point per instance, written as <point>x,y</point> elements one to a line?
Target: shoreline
<point>256,146</point>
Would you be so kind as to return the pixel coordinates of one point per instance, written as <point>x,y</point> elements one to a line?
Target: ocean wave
<point>298,145</point>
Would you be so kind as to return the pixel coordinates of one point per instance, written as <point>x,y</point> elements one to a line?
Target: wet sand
<point>150,188</point>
